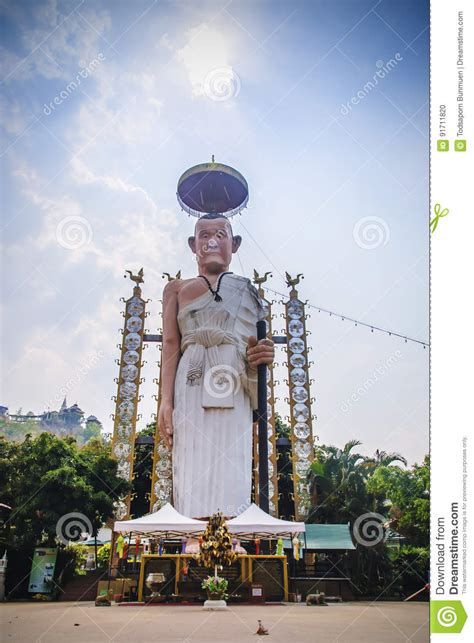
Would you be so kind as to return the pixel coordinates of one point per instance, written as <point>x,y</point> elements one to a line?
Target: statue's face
<point>214,243</point>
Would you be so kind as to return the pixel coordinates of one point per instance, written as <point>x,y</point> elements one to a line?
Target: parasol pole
<point>262,426</point>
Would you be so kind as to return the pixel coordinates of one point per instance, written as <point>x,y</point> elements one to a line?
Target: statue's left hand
<point>262,352</point>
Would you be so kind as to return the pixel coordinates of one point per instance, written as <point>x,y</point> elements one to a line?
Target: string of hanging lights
<point>356,322</point>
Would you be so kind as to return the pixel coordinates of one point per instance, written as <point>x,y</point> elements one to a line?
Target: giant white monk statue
<point>209,376</point>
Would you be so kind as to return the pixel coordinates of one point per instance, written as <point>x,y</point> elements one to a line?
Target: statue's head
<point>213,242</point>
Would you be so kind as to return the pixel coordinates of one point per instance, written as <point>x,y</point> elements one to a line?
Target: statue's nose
<point>212,243</point>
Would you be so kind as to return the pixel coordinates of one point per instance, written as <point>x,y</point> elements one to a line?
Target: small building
<point>324,564</point>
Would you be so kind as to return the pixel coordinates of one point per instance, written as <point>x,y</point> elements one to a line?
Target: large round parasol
<point>212,187</point>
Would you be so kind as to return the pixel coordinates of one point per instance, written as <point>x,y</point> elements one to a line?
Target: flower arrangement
<point>216,551</point>
<point>216,586</point>
<point>216,544</point>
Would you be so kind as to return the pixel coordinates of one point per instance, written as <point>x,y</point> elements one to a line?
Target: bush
<point>103,556</point>
<point>70,562</point>
<point>411,568</point>
<point>371,570</point>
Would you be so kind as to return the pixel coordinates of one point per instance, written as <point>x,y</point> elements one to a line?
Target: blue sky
<point>91,162</point>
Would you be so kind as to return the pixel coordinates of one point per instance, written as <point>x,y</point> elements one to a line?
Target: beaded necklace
<point>215,292</point>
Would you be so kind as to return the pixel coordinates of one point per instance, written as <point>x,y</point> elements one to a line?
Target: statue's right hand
<point>165,423</point>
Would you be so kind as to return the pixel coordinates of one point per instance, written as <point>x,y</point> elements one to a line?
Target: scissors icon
<point>438,215</point>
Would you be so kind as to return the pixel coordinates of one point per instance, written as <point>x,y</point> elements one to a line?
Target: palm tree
<point>337,480</point>
<point>337,483</point>
<point>384,459</point>
<point>340,494</point>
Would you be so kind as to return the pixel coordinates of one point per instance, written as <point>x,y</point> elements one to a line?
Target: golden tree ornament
<point>216,546</point>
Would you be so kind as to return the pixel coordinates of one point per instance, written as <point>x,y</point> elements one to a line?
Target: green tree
<point>282,429</point>
<point>407,495</point>
<point>142,472</point>
<point>382,458</point>
<point>339,478</point>
<point>19,430</point>
<point>346,485</point>
<point>47,477</point>
<point>103,556</point>
<point>337,484</point>
<point>89,431</point>
<point>411,568</point>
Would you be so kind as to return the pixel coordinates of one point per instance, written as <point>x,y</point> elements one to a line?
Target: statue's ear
<point>236,241</point>
<point>192,243</point>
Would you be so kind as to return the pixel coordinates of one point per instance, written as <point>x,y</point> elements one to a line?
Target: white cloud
<point>205,50</point>
<point>56,43</point>
<point>136,232</point>
<point>82,174</point>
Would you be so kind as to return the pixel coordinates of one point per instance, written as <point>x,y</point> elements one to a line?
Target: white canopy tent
<point>254,522</point>
<point>251,523</point>
<point>165,522</point>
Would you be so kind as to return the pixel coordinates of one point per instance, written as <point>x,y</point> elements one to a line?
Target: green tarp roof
<point>325,537</point>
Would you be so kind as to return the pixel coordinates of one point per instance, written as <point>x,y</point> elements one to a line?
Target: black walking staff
<point>262,419</point>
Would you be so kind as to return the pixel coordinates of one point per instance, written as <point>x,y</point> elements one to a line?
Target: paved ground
<point>290,623</point>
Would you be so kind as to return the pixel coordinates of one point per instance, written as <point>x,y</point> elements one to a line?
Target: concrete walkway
<point>289,623</point>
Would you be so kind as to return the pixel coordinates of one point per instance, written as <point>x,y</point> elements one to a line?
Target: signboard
<point>256,593</point>
<point>42,570</point>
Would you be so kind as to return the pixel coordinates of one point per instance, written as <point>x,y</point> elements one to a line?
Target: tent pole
<point>125,562</point>
<point>95,550</point>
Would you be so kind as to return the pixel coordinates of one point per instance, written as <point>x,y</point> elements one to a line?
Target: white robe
<point>214,395</point>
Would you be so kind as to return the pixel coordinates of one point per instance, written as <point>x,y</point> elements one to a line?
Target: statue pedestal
<point>215,605</point>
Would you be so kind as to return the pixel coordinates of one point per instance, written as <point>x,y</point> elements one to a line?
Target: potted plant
<point>216,588</point>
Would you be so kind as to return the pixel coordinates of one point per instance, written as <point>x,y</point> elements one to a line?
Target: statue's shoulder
<point>241,284</point>
<point>246,282</point>
<point>250,294</point>
<point>174,286</point>
<point>239,279</point>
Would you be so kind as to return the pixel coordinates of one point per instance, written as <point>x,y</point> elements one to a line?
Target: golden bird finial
<point>292,282</point>
<point>170,278</point>
<point>259,280</point>
<point>137,279</point>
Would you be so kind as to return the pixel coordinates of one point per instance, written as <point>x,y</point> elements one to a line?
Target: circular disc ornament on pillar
<point>212,188</point>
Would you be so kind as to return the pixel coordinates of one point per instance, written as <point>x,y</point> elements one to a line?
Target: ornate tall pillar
<point>162,472</point>
<point>128,383</point>
<point>302,441</point>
